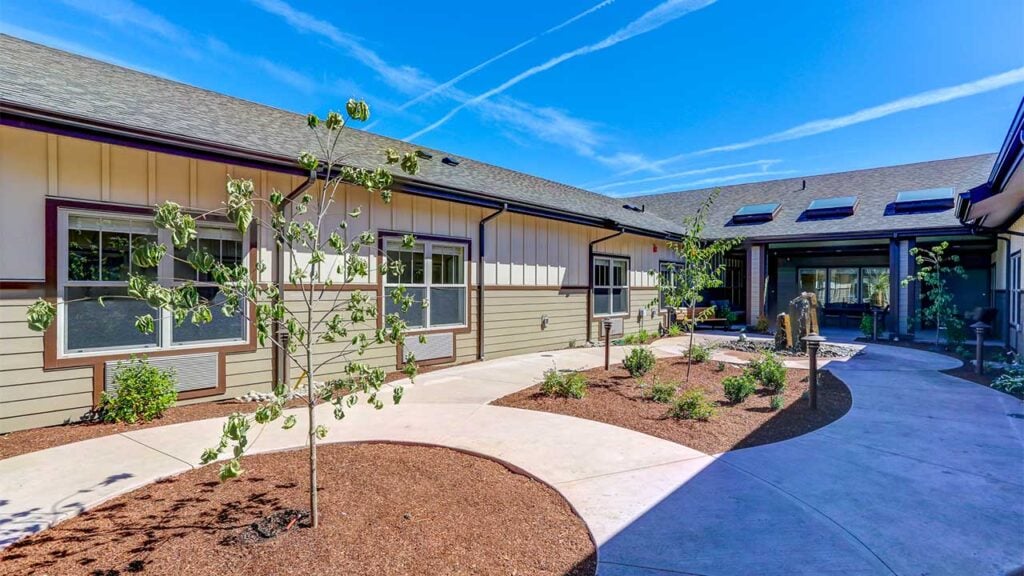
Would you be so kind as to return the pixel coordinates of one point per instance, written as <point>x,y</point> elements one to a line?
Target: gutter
<point>480,261</point>
<point>590,279</point>
<point>277,277</point>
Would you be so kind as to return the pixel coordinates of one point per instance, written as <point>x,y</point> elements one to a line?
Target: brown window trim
<point>98,362</point>
<point>382,237</point>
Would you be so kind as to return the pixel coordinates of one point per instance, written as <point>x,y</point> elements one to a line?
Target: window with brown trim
<point>611,286</point>
<point>434,275</point>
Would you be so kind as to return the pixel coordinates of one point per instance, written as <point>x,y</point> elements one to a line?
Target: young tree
<point>318,256</point>
<point>933,268</point>
<point>701,267</point>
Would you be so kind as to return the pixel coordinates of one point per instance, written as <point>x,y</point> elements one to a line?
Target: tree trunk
<point>314,513</point>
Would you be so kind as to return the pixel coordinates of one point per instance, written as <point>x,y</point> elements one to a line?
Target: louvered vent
<point>435,346</point>
<point>193,372</point>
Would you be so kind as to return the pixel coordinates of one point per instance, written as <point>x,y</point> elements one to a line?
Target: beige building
<point>510,263</point>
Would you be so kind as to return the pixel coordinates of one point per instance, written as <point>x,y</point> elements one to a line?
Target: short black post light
<point>874,323</point>
<point>979,348</point>
<point>607,324</point>
<point>813,342</point>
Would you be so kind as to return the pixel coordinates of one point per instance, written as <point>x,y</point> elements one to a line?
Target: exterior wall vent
<point>439,346</point>
<point>192,372</point>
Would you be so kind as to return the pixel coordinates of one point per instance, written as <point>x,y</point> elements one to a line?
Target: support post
<point>607,325</point>
<point>979,348</point>
<point>813,342</point>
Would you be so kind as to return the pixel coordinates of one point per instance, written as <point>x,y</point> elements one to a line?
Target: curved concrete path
<point>925,475</point>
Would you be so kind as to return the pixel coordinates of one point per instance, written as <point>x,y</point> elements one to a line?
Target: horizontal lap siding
<point>513,320</point>
<point>30,397</point>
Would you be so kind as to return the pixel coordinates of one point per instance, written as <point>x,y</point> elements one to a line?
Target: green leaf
<point>357,110</point>
<point>230,469</point>
<point>145,324</point>
<point>320,432</point>
<point>40,315</point>
<point>289,422</point>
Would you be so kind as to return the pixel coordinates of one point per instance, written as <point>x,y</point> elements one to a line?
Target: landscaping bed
<point>614,397</point>
<point>386,509</point>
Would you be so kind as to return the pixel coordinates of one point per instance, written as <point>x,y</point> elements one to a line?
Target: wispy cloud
<point>127,13</point>
<point>762,164</point>
<point>707,182</point>
<point>660,15</point>
<point>920,100</point>
<point>462,76</point>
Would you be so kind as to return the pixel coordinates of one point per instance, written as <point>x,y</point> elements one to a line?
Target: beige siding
<point>513,320</point>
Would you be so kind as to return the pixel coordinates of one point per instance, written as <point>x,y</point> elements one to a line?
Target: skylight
<point>755,213</point>
<point>831,207</point>
<point>927,200</point>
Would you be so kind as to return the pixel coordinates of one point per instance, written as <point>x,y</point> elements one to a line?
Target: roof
<point>875,189</point>
<point>42,78</point>
<point>998,202</point>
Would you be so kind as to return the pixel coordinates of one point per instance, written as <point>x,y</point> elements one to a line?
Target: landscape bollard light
<point>607,324</point>
<point>813,342</point>
<point>874,323</point>
<point>979,348</point>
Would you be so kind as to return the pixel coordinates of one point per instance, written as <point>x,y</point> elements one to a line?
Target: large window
<point>611,286</point>
<point>846,285</point>
<point>671,276</point>
<point>432,272</point>
<point>95,260</point>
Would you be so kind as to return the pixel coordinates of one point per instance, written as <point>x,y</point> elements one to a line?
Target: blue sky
<point>622,97</point>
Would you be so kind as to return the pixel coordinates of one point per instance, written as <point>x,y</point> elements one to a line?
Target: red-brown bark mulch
<point>614,397</point>
<point>385,510</point>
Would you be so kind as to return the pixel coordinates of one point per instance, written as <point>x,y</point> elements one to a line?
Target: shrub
<point>777,402</point>
<point>1011,381</point>
<point>699,353</point>
<point>661,393</point>
<point>566,385</point>
<point>141,392</point>
<point>738,388</point>
<point>762,324</point>
<point>956,331</point>
<point>769,371</point>
<point>639,361</point>
<point>720,367</point>
<point>675,330</point>
<point>692,405</point>
<point>867,325</point>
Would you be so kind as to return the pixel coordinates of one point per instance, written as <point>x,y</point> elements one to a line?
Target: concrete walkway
<point>925,475</point>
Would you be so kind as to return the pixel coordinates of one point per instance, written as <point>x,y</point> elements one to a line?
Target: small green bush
<point>141,392</point>
<point>738,388</point>
<point>639,361</point>
<point>777,402</point>
<point>662,393</point>
<point>1011,381</point>
<point>699,353</point>
<point>692,405</point>
<point>762,324</point>
<point>566,385</point>
<point>769,371</point>
<point>720,367</point>
<point>675,330</point>
<point>867,325</point>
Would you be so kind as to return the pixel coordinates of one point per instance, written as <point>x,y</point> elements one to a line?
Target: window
<point>95,261</point>
<point>831,207</point>
<point>432,272</point>
<point>611,286</point>
<point>756,213</point>
<point>671,275</point>
<point>874,286</point>
<point>842,285</point>
<point>813,280</point>
<point>1015,291</point>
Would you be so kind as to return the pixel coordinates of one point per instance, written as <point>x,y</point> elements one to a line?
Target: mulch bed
<point>25,441</point>
<point>385,509</point>
<point>614,397</point>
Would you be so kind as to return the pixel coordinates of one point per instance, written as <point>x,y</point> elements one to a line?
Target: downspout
<point>590,279</point>
<point>277,277</point>
<point>480,279</point>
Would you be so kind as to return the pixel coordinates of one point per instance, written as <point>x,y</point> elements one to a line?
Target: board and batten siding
<point>543,264</point>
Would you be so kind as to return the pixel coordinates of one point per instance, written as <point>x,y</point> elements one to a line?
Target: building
<point>87,148</point>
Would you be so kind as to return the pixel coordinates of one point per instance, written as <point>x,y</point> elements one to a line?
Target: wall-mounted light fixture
<point>544,321</point>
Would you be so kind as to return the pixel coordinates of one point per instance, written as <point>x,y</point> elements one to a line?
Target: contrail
<point>764,165</point>
<point>449,83</point>
<point>657,17</point>
<point>929,98</point>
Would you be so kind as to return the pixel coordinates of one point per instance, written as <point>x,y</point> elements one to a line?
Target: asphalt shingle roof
<point>875,188</point>
<point>45,78</point>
